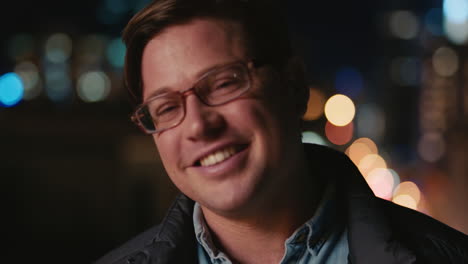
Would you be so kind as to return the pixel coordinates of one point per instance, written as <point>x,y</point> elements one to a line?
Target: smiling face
<point>230,158</point>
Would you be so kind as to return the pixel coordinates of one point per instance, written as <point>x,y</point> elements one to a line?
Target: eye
<point>166,109</point>
<point>226,83</point>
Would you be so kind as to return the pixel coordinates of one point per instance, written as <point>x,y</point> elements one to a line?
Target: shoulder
<point>425,235</point>
<point>120,254</point>
<point>161,242</point>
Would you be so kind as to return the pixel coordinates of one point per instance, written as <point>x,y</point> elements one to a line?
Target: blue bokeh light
<point>348,81</point>
<point>313,138</point>
<point>456,11</point>
<point>433,21</point>
<point>116,53</point>
<point>11,89</point>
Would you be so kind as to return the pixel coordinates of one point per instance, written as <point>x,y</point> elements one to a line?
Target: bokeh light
<point>404,24</point>
<point>445,61</point>
<point>371,162</point>
<point>456,20</point>
<point>11,89</point>
<point>431,147</point>
<point>357,151</point>
<point>433,21</point>
<point>339,135</point>
<point>93,86</point>
<point>58,48</point>
<point>456,33</point>
<point>369,143</point>
<point>381,182</point>
<point>405,71</point>
<point>116,53</point>
<point>370,122</point>
<point>340,110</point>
<point>408,188</point>
<point>315,105</point>
<point>313,138</point>
<point>349,81</point>
<point>456,11</point>
<point>396,177</point>
<point>361,148</point>
<point>406,201</point>
<point>29,74</point>
<point>58,85</point>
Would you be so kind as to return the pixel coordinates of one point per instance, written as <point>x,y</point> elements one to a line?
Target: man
<point>222,96</point>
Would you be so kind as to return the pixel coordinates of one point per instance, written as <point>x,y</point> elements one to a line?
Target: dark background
<point>78,179</point>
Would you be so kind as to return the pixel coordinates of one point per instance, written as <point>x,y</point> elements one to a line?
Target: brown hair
<point>265,28</point>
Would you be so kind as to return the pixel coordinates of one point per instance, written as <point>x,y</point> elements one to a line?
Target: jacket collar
<point>370,238</point>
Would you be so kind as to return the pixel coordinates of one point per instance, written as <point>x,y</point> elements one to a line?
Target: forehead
<point>181,53</point>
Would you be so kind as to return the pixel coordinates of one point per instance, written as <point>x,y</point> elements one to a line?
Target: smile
<point>219,156</point>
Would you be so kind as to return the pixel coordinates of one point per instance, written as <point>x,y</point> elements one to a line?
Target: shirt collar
<point>317,229</point>
<point>314,232</point>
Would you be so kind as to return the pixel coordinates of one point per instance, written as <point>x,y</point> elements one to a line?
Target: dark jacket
<point>378,231</point>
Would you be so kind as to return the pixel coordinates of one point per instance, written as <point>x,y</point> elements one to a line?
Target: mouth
<point>219,156</point>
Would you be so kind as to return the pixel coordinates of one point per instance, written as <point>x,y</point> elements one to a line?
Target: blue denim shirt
<point>322,239</point>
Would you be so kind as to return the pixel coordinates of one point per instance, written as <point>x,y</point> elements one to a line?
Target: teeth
<point>218,156</point>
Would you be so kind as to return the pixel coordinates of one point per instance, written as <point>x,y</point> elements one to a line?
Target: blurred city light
<point>456,20</point>
<point>93,86</point>
<point>11,89</point>
<point>339,135</point>
<point>456,33</point>
<point>20,46</point>
<point>456,11</point>
<point>406,71</point>
<point>313,138</point>
<point>58,85</point>
<point>408,188</point>
<point>433,21</point>
<point>370,122</point>
<point>58,48</point>
<point>348,81</point>
<point>431,147</point>
<point>315,105</point>
<point>116,53</point>
<point>357,151</point>
<point>445,61</point>
<point>404,24</point>
<point>29,74</point>
<point>369,143</point>
<point>340,110</point>
<point>396,178</point>
<point>406,201</point>
<point>371,162</point>
<point>361,148</point>
<point>381,182</point>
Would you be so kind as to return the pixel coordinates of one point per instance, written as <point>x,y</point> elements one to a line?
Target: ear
<point>295,73</point>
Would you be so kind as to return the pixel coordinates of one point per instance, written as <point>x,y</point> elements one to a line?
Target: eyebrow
<point>200,74</point>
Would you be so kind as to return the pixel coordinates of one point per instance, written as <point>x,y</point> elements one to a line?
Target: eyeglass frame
<point>248,64</point>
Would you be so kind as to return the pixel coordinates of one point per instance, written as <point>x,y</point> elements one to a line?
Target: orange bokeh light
<point>339,135</point>
<point>315,106</point>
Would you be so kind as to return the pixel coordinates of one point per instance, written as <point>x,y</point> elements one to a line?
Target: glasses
<point>216,87</point>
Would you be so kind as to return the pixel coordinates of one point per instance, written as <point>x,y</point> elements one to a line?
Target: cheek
<point>167,147</point>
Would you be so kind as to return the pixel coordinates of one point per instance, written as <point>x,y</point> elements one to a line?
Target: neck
<point>259,237</point>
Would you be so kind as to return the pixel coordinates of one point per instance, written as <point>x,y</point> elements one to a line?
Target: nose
<point>202,122</point>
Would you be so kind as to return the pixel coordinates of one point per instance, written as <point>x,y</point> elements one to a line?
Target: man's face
<point>248,139</point>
